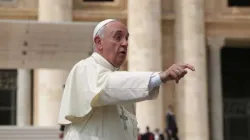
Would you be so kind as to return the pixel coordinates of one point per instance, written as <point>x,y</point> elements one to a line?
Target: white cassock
<point>92,103</point>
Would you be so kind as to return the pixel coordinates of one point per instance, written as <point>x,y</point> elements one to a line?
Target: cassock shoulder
<point>86,79</point>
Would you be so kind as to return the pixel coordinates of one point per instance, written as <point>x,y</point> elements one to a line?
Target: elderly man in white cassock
<point>95,91</point>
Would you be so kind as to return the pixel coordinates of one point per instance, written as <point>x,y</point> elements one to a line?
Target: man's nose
<point>125,43</point>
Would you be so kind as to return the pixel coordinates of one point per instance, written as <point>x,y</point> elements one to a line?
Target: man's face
<point>113,46</point>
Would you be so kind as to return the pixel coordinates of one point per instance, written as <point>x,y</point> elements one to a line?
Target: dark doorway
<point>236,92</point>
<point>8,87</point>
<point>238,3</point>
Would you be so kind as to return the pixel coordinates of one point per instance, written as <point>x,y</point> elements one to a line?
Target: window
<point>238,3</point>
<point>8,97</point>
<point>6,0</point>
<point>98,0</point>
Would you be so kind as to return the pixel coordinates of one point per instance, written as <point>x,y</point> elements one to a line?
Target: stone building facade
<point>204,33</point>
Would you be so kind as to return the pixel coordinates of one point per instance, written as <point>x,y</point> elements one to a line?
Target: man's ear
<point>98,43</point>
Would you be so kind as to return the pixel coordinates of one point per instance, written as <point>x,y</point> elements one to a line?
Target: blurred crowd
<point>170,133</point>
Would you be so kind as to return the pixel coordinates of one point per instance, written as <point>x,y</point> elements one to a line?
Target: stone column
<point>23,97</point>
<point>55,10</point>
<point>192,100</point>
<point>145,44</point>
<point>49,83</point>
<point>49,90</point>
<point>215,45</point>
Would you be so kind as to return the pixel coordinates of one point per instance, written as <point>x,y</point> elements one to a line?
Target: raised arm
<point>124,87</point>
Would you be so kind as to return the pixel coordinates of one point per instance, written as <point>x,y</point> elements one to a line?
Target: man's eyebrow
<point>118,31</point>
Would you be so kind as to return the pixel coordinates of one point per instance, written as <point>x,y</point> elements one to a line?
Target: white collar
<point>103,62</point>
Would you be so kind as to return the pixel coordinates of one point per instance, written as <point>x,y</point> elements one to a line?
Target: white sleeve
<point>154,81</point>
<point>127,87</point>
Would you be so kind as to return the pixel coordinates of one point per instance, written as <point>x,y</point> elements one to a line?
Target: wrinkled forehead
<point>116,26</point>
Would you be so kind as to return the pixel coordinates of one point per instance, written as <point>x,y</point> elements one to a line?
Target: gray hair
<point>100,33</point>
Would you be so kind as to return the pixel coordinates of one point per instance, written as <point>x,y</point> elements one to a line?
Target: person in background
<point>62,127</point>
<point>139,134</point>
<point>148,135</point>
<point>61,134</point>
<point>172,129</point>
<point>158,135</point>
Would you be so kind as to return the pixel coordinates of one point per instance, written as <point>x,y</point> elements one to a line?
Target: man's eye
<point>127,38</point>
<point>118,38</point>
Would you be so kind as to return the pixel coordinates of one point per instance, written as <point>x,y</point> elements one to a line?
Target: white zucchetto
<point>100,25</point>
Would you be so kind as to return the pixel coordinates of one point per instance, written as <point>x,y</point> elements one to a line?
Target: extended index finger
<point>187,66</point>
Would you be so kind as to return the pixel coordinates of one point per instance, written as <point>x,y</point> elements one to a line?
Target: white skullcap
<point>100,25</point>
